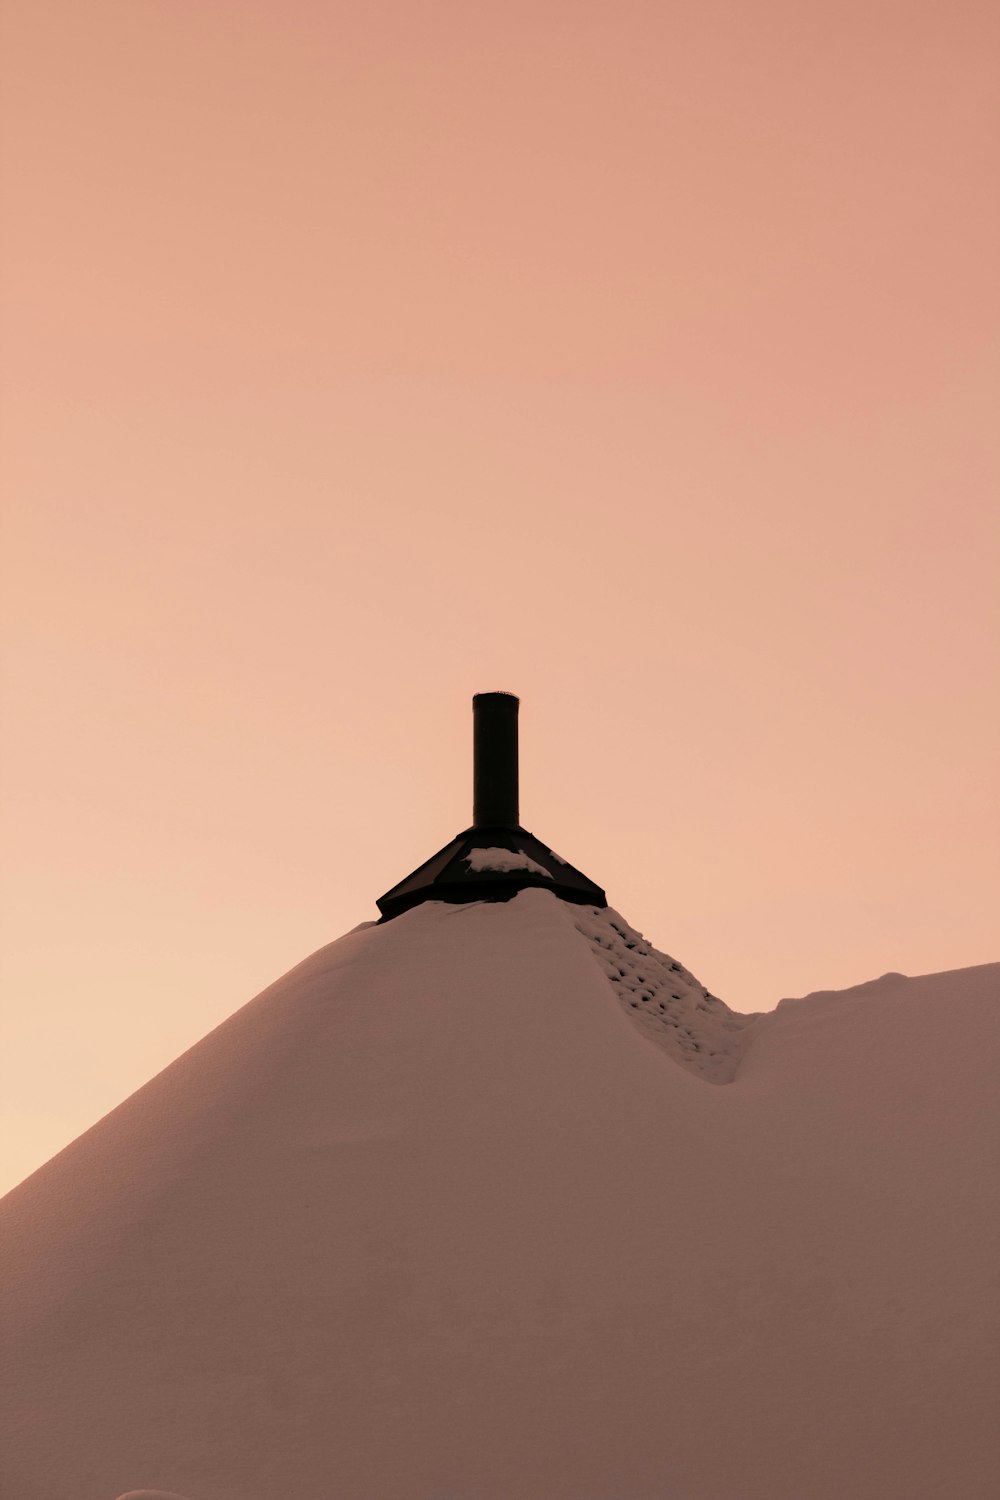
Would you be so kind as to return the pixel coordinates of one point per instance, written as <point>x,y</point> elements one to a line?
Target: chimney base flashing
<point>494,858</point>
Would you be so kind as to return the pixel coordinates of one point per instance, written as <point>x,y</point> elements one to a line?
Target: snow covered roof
<point>496,1201</point>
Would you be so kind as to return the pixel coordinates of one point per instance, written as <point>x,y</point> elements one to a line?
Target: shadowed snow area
<point>431,1217</point>
<point>665,1000</point>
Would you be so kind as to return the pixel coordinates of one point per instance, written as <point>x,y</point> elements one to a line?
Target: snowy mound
<point>432,1217</point>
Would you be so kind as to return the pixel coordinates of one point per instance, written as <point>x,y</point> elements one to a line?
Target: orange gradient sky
<point>641,359</point>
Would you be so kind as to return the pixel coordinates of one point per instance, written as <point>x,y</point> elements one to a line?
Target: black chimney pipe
<point>494,719</point>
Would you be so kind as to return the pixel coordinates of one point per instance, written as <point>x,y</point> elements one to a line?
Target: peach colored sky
<point>640,359</point>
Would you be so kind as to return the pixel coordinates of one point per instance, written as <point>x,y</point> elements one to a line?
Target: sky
<point>640,359</point>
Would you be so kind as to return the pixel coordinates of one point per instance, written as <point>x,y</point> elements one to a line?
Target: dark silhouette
<point>494,734</point>
<point>496,857</point>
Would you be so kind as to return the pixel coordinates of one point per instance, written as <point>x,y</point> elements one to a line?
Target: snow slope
<point>443,1214</point>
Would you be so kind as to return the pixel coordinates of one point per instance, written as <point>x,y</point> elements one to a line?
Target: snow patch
<point>505,860</point>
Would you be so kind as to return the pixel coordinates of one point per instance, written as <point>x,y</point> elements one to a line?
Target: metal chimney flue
<point>494,721</point>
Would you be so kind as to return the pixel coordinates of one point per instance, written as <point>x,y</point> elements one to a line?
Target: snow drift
<point>455,1209</point>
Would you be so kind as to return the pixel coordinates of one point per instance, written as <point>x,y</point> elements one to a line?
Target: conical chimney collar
<point>496,857</point>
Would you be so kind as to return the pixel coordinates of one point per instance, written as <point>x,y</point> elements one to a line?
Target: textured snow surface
<point>665,1000</point>
<point>442,1214</point>
<point>504,859</point>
